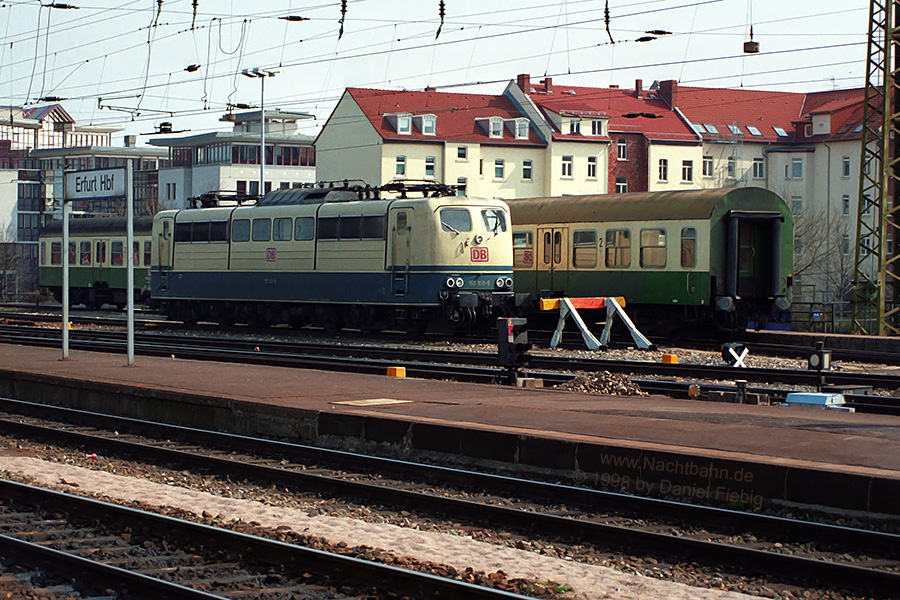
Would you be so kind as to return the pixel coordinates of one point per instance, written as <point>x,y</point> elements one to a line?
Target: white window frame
<point>622,149</point>
<point>429,125</point>
<point>404,123</point>
<point>592,167</point>
<point>732,167</point>
<point>845,166</point>
<point>708,166</point>
<point>759,168</point>
<point>527,170</point>
<point>845,205</point>
<point>687,171</point>
<point>430,164</point>
<point>522,129</point>
<point>462,153</point>
<point>663,169</point>
<point>796,168</point>
<point>567,165</point>
<point>499,169</point>
<point>496,127</point>
<point>621,186</point>
<point>596,127</point>
<point>574,126</point>
<point>400,165</point>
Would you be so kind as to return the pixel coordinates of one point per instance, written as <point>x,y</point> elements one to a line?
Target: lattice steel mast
<point>876,292</point>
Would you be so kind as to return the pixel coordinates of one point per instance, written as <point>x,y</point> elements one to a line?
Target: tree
<point>823,257</point>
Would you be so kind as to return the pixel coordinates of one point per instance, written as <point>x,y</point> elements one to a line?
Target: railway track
<point>800,552</point>
<point>479,367</point>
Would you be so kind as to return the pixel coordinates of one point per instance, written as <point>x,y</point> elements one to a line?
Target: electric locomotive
<point>718,257</point>
<point>338,257</point>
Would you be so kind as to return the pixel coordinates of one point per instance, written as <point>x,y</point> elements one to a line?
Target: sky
<point>135,64</point>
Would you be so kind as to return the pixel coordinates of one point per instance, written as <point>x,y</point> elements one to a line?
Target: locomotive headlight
<point>479,238</point>
<point>450,283</point>
<point>500,283</point>
<point>509,282</point>
<point>459,282</point>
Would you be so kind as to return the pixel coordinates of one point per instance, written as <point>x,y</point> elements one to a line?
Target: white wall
<point>349,147</point>
<point>676,155</point>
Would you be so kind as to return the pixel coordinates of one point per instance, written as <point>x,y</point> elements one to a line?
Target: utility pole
<point>876,290</point>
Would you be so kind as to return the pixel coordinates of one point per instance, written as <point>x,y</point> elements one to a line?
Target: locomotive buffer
<point>513,347</point>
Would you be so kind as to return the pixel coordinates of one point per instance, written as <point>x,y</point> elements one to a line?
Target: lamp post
<point>261,73</point>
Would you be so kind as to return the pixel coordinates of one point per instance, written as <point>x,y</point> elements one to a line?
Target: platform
<point>738,455</point>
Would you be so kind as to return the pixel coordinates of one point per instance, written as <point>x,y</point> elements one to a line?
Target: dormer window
<point>575,127</point>
<point>522,129</point>
<point>596,127</point>
<point>496,127</point>
<point>427,124</point>
<point>404,123</point>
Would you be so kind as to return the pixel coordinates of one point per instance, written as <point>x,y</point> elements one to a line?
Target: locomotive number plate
<point>479,254</point>
<point>270,254</point>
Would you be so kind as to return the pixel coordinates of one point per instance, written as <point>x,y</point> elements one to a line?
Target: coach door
<point>399,252</point>
<point>163,240</point>
<point>552,259</point>
<point>754,256</point>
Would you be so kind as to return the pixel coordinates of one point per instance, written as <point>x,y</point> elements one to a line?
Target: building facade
<point>228,161</point>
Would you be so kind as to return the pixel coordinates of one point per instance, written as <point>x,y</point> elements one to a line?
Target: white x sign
<point>739,359</point>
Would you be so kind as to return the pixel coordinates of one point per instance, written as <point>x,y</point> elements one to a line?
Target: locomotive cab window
<point>117,254</point>
<point>618,248</point>
<point>304,228</point>
<point>240,230</point>
<point>456,220</point>
<point>183,232</point>
<point>653,248</point>
<point>494,220</point>
<point>584,249</point>
<point>688,247</point>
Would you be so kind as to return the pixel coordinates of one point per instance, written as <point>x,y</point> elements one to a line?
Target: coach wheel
<point>328,318</point>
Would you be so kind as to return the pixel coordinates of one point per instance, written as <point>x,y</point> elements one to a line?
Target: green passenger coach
<point>721,257</point>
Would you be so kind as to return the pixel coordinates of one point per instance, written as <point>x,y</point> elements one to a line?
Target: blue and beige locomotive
<point>337,257</point>
<point>720,257</point>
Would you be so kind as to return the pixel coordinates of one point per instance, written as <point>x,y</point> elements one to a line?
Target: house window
<point>401,166</point>
<point>496,127</point>
<point>653,248</point>
<point>241,187</point>
<point>567,166</point>
<point>687,170</point>
<point>461,186</point>
<point>575,126</point>
<point>711,128</point>
<point>596,127</point>
<point>753,130</point>
<point>845,205</point>
<point>845,245</point>
<point>798,244</point>
<point>845,167</point>
<point>622,149</point>
<point>663,169</point>
<point>498,168</point>
<point>621,185</point>
<point>735,129</point>
<point>592,167</point>
<point>462,153</point>
<point>429,124</point>
<point>796,167</point>
<point>404,123</point>
<point>732,167</point>
<point>429,166</point>
<point>688,247</point>
<point>521,129</point>
<point>707,166</point>
<point>527,170</point>
<point>796,205</point>
<point>759,168</point>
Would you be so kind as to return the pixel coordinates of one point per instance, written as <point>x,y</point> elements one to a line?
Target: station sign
<point>95,183</point>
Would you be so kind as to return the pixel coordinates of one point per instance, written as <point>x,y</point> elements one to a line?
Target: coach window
<point>43,253</point>
<point>618,248</point>
<point>456,220</point>
<point>148,253</point>
<point>84,251</point>
<point>136,254</point>
<point>304,228</point>
<point>584,249</point>
<point>117,254</point>
<point>653,248</point>
<point>494,220</point>
<point>55,253</point>
<point>688,247</point>
<point>523,253</point>
<point>72,253</point>
<point>281,230</point>
<point>240,230</point>
<point>262,230</point>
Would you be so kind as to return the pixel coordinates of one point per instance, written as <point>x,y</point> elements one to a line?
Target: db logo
<point>270,254</point>
<point>479,254</point>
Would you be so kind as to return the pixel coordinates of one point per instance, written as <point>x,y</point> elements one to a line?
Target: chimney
<point>613,86</point>
<point>638,88</point>
<point>548,85</point>
<point>523,80</point>
<point>669,91</point>
<point>130,141</point>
